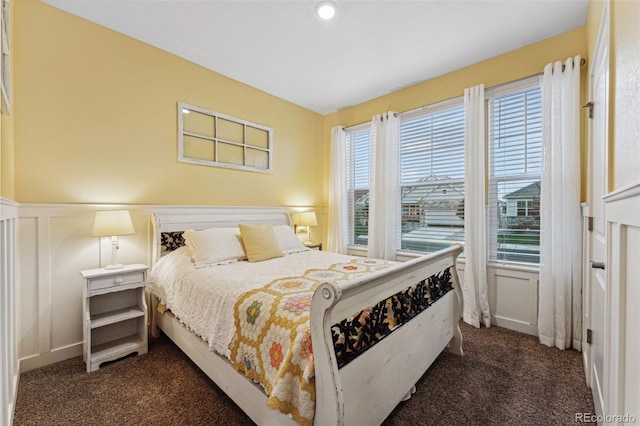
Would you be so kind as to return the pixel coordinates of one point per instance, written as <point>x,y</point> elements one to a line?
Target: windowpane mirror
<point>209,138</point>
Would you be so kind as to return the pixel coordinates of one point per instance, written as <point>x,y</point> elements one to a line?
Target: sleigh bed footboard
<point>368,388</point>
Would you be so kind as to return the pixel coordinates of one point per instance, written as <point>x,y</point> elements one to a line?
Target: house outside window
<point>515,167</point>
<point>432,177</point>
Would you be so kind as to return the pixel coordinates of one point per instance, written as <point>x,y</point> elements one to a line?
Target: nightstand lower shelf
<point>115,349</point>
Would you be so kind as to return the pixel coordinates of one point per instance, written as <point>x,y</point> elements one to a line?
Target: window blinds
<point>515,166</point>
<point>358,140</point>
<point>432,179</point>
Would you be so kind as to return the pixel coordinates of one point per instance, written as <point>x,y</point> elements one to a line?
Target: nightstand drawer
<point>115,281</point>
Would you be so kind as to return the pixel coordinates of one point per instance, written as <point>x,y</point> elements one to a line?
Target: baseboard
<point>56,355</point>
<point>585,365</point>
<point>515,325</point>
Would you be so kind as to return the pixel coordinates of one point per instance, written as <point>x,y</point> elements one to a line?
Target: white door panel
<point>596,279</point>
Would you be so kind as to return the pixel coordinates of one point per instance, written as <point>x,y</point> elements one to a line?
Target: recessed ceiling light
<point>326,9</point>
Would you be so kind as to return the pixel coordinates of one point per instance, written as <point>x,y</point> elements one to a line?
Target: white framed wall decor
<point>210,138</point>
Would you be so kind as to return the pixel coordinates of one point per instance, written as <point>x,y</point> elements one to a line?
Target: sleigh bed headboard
<point>169,224</point>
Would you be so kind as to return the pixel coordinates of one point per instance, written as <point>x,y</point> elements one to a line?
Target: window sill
<point>520,267</point>
<point>406,255</point>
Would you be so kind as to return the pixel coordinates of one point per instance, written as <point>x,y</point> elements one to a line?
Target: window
<point>432,177</point>
<point>208,138</point>
<point>358,141</point>
<point>515,167</point>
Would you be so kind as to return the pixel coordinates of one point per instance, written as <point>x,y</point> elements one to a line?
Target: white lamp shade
<point>112,223</point>
<point>308,219</point>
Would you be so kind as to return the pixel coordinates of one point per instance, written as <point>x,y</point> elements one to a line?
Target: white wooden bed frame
<point>367,389</point>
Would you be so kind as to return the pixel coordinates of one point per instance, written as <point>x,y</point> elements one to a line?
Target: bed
<point>347,388</point>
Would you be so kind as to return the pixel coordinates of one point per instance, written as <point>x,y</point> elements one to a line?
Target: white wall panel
<point>513,298</point>
<point>621,396</point>
<point>71,249</point>
<point>631,402</point>
<point>9,364</point>
<point>28,290</point>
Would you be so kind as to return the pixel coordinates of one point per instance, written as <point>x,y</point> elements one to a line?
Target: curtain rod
<point>423,107</point>
<point>583,62</point>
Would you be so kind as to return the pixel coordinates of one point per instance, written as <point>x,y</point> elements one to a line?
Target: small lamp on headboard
<point>308,219</point>
<point>112,224</point>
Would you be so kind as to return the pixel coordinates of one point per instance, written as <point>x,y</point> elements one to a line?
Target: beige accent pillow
<point>260,242</point>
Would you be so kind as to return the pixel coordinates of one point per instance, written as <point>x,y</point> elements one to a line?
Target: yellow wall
<point>625,86</point>
<point>95,115</point>
<point>511,66</point>
<point>7,175</point>
<point>96,122</point>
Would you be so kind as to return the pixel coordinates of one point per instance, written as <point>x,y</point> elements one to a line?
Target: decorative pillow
<point>214,246</point>
<point>260,242</point>
<point>288,241</point>
<point>170,241</point>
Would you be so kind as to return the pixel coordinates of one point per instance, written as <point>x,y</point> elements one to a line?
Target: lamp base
<point>116,266</point>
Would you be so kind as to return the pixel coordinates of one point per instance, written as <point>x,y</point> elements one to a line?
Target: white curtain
<point>559,301</point>
<point>474,289</point>
<point>338,234</point>
<point>384,192</point>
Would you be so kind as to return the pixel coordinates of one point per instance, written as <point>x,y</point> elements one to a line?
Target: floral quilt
<point>272,342</point>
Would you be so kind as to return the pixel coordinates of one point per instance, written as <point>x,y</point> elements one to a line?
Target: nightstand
<point>314,246</point>
<point>114,314</point>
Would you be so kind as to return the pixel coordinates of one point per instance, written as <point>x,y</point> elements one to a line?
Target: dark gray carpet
<point>505,378</point>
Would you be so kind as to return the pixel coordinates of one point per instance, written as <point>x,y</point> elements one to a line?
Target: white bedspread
<point>204,298</point>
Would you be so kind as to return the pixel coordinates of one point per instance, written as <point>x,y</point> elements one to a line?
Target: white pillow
<point>214,246</point>
<point>288,241</point>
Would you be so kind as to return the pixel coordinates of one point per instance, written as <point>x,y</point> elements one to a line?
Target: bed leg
<point>408,395</point>
<point>455,346</point>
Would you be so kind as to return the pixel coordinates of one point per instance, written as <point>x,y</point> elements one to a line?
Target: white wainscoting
<point>513,297</point>
<point>9,363</point>
<point>622,316</point>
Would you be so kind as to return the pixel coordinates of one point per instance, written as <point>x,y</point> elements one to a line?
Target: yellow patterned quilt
<point>272,341</point>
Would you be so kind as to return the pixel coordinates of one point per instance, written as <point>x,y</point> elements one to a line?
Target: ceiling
<point>369,49</point>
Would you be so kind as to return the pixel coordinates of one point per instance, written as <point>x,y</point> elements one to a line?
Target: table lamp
<point>308,219</point>
<point>112,224</point>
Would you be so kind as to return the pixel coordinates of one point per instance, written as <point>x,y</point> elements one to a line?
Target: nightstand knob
<point>118,280</point>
